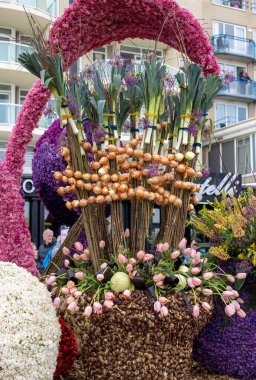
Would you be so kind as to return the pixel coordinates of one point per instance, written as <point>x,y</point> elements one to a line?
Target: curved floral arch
<point>88,24</point>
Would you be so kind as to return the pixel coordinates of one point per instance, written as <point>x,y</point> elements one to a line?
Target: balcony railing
<point>9,113</point>
<point>236,46</point>
<point>240,89</point>
<point>225,121</point>
<point>236,4</point>
<point>10,51</point>
<point>43,5</point>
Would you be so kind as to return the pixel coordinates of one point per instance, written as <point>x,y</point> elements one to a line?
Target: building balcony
<point>232,47</point>
<point>244,91</point>
<point>234,4</point>
<point>225,121</point>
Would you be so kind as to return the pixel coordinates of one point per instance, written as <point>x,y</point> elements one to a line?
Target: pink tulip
<point>79,275</point>
<point>190,283</point>
<point>235,294</point>
<point>77,294</point>
<point>56,302</point>
<point>182,244</point>
<point>206,306</point>
<point>157,306</point>
<point>148,257</point>
<point>227,293</point>
<point>231,278</point>
<point>54,291</point>
<point>207,292</point>
<point>196,281</point>
<point>236,304</point>
<point>196,270</point>
<point>103,266</point>
<point>193,246</point>
<point>132,274</point>
<point>241,313</point>
<point>165,247</point>
<point>76,257</point>
<point>187,252</point>
<point>129,268</point>
<point>127,293</point>
<point>229,288</point>
<point>100,277</point>
<point>78,246</point>
<point>70,299</point>
<point>158,277</point>
<point>196,311</point>
<point>230,310</point>
<point>108,304</point>
<point>160,247</point>
<point>160,284</point>
<point>73,290</point>
<point>121,258</point>
<point>84,257</point>
<point>65,291</point>
<point>97,308</point>
<point>50,280</point>
<point>132,261</point>
<point>65,251</point>
<point>240,300</point>
<point>141,255</point>
<point>163,300</point>
<point>88,311</point>
<point>102,244</point>
<point>72,307</point>
<point>66,263</point>
<point>127,233</point>
<point>208,275</point>
<point>164,311</point>
<point>241,276</point>
<point>175,254</point>
<point>109,296</point>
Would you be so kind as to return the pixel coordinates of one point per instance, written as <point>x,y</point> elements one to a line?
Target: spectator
<point>35,250</point>
<point>47,246</point>
<point>244,79</point>
<point>236,4</point>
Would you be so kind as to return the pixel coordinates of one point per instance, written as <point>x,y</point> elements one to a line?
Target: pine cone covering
<point>133,342</point>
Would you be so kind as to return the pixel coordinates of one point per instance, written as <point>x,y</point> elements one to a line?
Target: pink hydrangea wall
<point>85,25</point>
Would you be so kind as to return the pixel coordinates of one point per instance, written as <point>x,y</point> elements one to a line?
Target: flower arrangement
<point>230,226</point>
<point>29,331</point>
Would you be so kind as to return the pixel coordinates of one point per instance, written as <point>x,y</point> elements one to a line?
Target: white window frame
<point>251,154</point>
<point>12,91</point>
<point>229,6</point>
<point>140,55</point>
<point>243,105</point>
<point>19,91</point>
<point>253,6</point>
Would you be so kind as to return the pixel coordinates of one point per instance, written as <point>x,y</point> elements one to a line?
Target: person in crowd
<point>56,247</point>
<point>35,250</point>
<point>244,79</point>
<point>47,247</point>
<point>236,4</point>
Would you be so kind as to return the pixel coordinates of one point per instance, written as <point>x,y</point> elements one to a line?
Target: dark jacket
<point>42,252</point>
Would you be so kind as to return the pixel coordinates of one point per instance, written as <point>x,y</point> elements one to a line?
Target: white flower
<point>29,329</point>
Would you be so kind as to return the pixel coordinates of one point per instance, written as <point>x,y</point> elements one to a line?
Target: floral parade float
<point>229,225</point>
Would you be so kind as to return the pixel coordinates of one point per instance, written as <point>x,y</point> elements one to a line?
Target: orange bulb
<point>147,157</point>
<point>114,178</point>
<point>164,160</point>
<point>131,193</point>
<point>94,177</point>
<point>88,186</point>
<point>97,190</point>
<point>87,146</point>
<point>178,202</point>
<point>120,150</point>
<point>69,205</point>
<point>174,164</point>
<point>61,190</point>
<point>111,148</point>
<point>86,176</point>
<point>64,179</point>
<point>75,203</point>
<point>78,174</point>
<point>111,155</point>
<point>91,199</point>
<point>80,184</point>
<point>68,173</point>
<point>181,168</point>
<point>123,196</point>
<point>95,165</point>
<point>83,202</point>
<point>100,199</point>
<point>57,175</point>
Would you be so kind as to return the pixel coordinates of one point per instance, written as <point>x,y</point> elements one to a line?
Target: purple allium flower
<point>130,79</point>
<point>128,124</point>
<point>193,129</point>
<point>88,72</point>
<point>227,77</point>
<point>49,111</point>
<point>128,65</point>
<point>206,132</point>
<point>98,134</point>
<point>73,107</point>
<point>117,61</point>
<point>169,81</point>
<point>153,170</point>
<point>143,123</point>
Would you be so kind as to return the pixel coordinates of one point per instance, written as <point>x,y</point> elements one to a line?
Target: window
<point>235,4</point>
<point>137,54</point>
<point>5,106</point>
<point>228,157</point>
<point>229,113</point>
<point>22,96</point>
<point>214,158</point>
<point>243,152</point>
<point>233,35</point>
<point>99,54</point>
<point>2,150</point>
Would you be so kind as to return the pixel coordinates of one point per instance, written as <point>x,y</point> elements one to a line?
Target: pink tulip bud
<point>127,293</point>
<point>70,299</point>
<point>65,291</point>
<point>121,258</point>
<point>164,311</point>
<point>97,308</point>
<point>165,247</point>
<point>241,313</point>
<point>157,306</point>
<point>230,310</point>
<point>84,257</point>
<point>195,270</point>
<point>240,300</point>
<point>65,251</point>
<point>241,276</point>
<point>88,311</point>
<point>127,233</point>
<point>78,246</point>
<point>231,278</point>
<point>102,244</point>
<point>175,254</point>
<point>160,284</point>
<point>148,257</point>
<point>182,244</point>
<point>160,247</point>
<point>103,266</point>
<point>132,261</point>
<point>187,251</point>
<point>227,293</point>
<point>235,294</point>
<point>76,257</point>
<point>229,288</point>
<point>207,292</point>
<point>73,290</point>
<point>208,275</point>
<point>109,296</point>
<point>206,306</point>
<point>197,257</point>
<point>129,268</point>
<point>141,255</point>
<point>163,300</point>
<point>100,277</point>
<point>54,291</point>
<point>190,283</point>
<point>193,246</point>
<point>158,277</point>
<point>132,274</point>
<point>66,263</point>
<point>72,307</point>
<point>236,304</point>
<point>196,281</point>
<point>50,280</point>
<point>108,304</point>
<point>77,294</point>
<point>56,302</point>
<point>196,311</point>
<point>79,275</point>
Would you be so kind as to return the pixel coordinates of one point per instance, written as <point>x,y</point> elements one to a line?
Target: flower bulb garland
<point>29,329</point>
